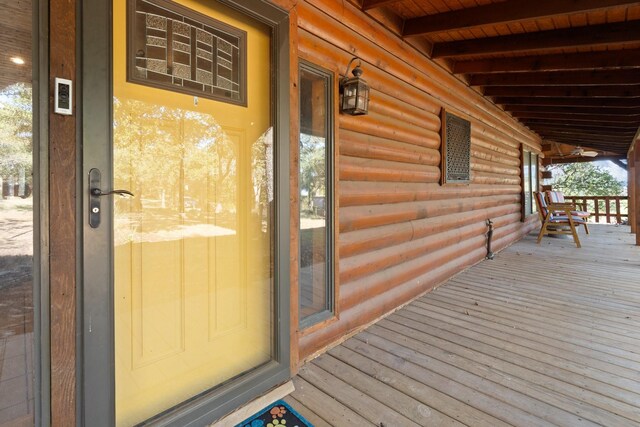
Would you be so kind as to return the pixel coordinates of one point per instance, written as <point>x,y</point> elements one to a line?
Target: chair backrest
<point>542,205</point>
<point>555,196</point>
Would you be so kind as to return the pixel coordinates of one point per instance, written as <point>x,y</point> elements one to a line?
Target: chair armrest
<point>561,207</point>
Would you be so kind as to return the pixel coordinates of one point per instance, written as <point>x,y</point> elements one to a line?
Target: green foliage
<point>585,179</point>
<point>15,130</point>
<point>312,166</point>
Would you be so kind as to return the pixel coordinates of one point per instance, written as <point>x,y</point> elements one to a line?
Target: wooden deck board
<point>542,335</point>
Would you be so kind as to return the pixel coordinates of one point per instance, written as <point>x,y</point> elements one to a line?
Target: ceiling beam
<point>599,134</point>
<point>568,61</point>
<point>566,91</point>
<point>621,112</point>
<point>500,13</point>
<point>583,129</point>
<point>570,102</point>
<point>620,163</point>
<point>372,4</point>
<point>558,78</point>
<point>617,147</point>
<point>560,160</point>
<point>592,35</point>
<point>631,119</point>
<point>602,133</point>
<point>584,139</point>
<point>570,124</point>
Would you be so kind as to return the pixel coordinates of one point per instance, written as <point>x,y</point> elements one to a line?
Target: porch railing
<point>616,207</point>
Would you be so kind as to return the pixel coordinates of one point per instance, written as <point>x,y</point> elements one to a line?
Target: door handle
<point>98,192</point>
<point>94,197</point>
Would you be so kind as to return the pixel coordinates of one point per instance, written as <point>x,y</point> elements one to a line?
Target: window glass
<point>315,174</point>
<point>526,184</point>
<point>534,179</point>
<point>16,217</point>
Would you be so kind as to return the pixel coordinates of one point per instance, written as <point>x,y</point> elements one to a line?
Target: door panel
<point>193,286</point>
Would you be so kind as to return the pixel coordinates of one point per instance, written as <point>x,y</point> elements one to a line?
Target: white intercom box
<point>63,96</point>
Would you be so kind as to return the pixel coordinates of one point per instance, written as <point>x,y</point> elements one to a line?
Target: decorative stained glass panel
<point>456,149</point>
<point>176,48</point>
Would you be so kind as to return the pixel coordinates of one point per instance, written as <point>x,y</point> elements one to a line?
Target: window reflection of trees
<point>16,140</point>
<point>184,168</point>
<point>312,175</point>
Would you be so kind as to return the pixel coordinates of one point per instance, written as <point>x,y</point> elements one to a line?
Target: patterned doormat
<point>278,414</point>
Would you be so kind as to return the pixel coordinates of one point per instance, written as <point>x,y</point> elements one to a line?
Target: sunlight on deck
<point>544,334</point>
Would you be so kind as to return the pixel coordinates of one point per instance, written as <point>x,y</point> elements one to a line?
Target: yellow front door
<point>192,139</point>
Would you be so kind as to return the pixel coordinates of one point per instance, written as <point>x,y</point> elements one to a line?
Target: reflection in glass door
<point>192,140</point>
<point>16,216</point>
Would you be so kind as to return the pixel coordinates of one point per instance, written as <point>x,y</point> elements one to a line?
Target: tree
<point>15,131</point>
<point>312,167</point>
<point>585,179</point>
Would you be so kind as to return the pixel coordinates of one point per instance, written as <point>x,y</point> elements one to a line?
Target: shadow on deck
<point>542,335</point>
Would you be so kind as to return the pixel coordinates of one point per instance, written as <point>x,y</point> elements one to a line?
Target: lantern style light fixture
<point>354,92</point>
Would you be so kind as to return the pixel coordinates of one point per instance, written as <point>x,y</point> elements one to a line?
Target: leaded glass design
<point>175,48</point>
<point>456,157</point>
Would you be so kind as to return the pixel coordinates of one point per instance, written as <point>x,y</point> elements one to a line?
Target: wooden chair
<point>557,219</point>
<point>558,197</point>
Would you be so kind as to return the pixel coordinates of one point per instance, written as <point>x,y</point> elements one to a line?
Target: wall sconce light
<point>354,92</point>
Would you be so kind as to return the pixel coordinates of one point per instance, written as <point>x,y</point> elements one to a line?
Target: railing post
<point>596,209</point>
<point>618,215</point>
<point>607,209</point>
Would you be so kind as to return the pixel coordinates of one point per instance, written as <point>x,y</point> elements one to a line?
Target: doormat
<point>278,414</point>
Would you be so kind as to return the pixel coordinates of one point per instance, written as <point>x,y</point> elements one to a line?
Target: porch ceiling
<point>15,26</point>
<point>568,70</point>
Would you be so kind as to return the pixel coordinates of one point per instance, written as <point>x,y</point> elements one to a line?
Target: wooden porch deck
<point>542,335</point>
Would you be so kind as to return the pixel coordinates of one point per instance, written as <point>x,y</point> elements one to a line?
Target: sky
<point>615,170</point>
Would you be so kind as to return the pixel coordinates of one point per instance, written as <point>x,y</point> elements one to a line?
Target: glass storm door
<point>192,138</point>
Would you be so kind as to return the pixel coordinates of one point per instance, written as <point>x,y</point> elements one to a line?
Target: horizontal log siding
<point>401,233</point>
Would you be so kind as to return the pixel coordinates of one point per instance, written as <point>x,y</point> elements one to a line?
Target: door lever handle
<point>98,192</point>
<point>95,193</point>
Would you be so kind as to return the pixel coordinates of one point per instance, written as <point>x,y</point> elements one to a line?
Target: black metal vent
<point>456,149</point>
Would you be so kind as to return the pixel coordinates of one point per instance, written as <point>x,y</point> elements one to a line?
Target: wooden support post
<point>62,219</point>
<point>636,192</point>
<point>631,191</point>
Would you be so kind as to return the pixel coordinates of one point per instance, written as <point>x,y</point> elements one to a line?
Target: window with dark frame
<point>530,181</point>
<point>316,294</point>
<point>456,149</point>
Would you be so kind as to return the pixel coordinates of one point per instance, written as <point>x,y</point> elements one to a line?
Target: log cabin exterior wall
<point>400,233</point>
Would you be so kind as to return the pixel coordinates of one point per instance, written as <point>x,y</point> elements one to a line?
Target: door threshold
<point>255,405</point>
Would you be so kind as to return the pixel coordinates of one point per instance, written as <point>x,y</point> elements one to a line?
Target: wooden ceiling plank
<point>544,129</point>
<point>569,102</point>
<point>558,78</point>
<point>560,160</point>
<point>575,117</point>
<point>592,35</point>
<point>566,91</point>
<point>583,137</point>
<point>372,4</point>
<point>573,61</point>
<point>602,145</point>
<point>500,13</point>
<point>575,110</point>
<point>534,122</point>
